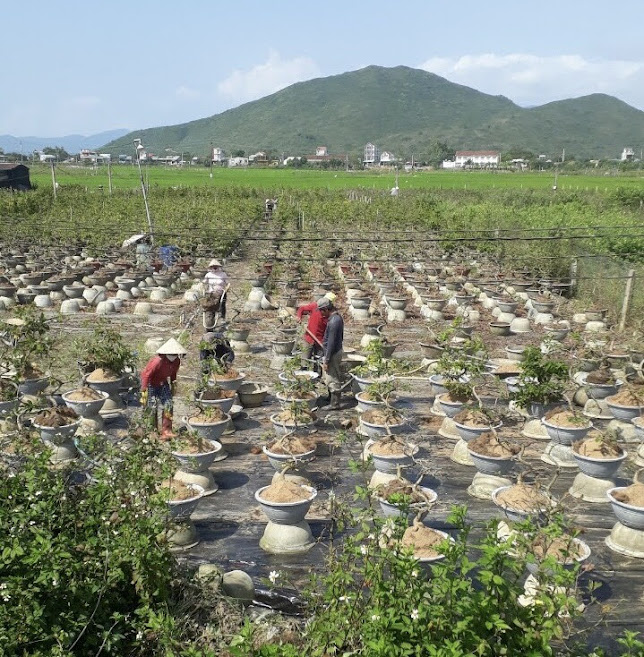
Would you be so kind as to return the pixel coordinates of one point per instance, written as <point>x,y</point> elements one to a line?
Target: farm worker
<point>143,252</point>
<point>157,384</point>
<point>215,287</point>
<point>214,345</point>
<point>332,352</point>
<point>316,325</point>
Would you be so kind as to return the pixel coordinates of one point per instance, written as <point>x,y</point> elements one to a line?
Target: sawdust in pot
<point>627,397</point>
<point>292,445</point>
<point>213,415</point>
<point>423,540</point>
<point>283,490</point>
<point>565,418</point>
<point>60,416</point>
<point>633,495</point>
<point>390,447</point>
<point>178,490</point>
<point>102,375</point>
<point>602,377</point>
<point>217,393</point>
<point>382,416</point>
<point>84,394</point>
<point>488,444</point>
<point>400,487</point>
<point>228,375</point>
<point>298,416</point>
<point>562,548</point>
<point>595,447</point>
<point>473,418</point>
<point>523,497</point>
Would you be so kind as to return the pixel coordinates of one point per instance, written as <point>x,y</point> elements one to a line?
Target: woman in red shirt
<point>315,327</point>
<point>157,379</point>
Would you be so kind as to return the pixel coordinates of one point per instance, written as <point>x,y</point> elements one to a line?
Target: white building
<point>627,155</point>
<point>88,156</point>
<point>386,157</point>
<point>477,159</point>
<point>238,162</point>
<point>371,154</point>
<point>218,155</point>
<point>321,151</point>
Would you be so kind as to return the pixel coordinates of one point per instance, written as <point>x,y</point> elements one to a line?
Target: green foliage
<point>541,380</point>
<point>25,342</point>
<point>104,348</point>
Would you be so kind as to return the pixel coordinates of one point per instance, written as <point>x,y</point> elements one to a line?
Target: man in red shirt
<point>157,383</point>
<point>315,327</point>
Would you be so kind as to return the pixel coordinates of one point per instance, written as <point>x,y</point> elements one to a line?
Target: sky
<point>86,66</point>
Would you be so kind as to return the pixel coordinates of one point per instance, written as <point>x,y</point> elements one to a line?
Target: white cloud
<point>533,79</point>
<point>186,93</point>
<point>267,78</point>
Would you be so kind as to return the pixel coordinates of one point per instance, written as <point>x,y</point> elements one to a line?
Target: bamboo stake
<point>628,293</point>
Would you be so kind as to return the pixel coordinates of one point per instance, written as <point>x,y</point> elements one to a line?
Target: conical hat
<point>214,263</point>
<point>171,347</point>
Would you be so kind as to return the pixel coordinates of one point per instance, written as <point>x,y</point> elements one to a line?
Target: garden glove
<point>144,397</point>
<point>173,388</point>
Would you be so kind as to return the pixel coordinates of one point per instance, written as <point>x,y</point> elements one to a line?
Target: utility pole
<point>138,148</point>
<point>53,178</point>
<point>109,175</point>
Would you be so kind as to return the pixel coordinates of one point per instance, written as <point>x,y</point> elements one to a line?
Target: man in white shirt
<point>215,285</point>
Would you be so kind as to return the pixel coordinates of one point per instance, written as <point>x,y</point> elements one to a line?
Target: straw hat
<point>214,263</point>
<point>171,347</point>
<point>330,296</point>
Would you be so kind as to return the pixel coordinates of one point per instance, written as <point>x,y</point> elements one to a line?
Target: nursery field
<point>477,491</point>
<point>127,177</point>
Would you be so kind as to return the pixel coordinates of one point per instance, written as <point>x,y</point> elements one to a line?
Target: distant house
<point>258,158</point>
<point>477,159</point>
<point>44,157</point>
<point>448,164</point>
<point>386,157</point>
<point>14,176</point>
<point>322,155</point>
<point>321,151</point>
<point>218,155</point>
<point>371,155</point>
<point>628,155</point>
<point>238,162</point>
<point>86,156</point>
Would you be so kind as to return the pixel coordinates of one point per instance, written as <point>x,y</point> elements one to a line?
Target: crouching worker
<point>157,385</point>
<point>214,346</point>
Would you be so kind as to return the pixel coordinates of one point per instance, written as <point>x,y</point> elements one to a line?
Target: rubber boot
<point>166,427</point>
<point>335,404</point>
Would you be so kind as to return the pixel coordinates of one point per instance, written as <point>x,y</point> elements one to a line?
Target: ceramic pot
<point>286,513</point>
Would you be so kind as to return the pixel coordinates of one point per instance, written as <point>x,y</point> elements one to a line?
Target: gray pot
<point>85,408</point>
<point>229,384</point>
<point>200,461</point>
<point>499,328</point>
<point>32,386</point>
<point>498,466</point>
<point>278,461</point>
<point>182,509</point>
<point>470,433</point>
<point>389,464</point>
<point>434,303</point>
<point>450,408</point>
<point>394,510</point>
<point>282,428</point>
<point>286,513</point>
<point>566,435</point>
<point>283,347</point>
<point>599,468</point>
<point>252,395</point>
<point>224,405</point>
<point>517,515</point>
<point>209,430</point>
<point>381,430</point>
<point>629,515</point>
<point>57,435</point>
<point>624,413</point>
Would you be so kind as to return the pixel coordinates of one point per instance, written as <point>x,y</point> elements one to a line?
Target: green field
<point>124,177</point>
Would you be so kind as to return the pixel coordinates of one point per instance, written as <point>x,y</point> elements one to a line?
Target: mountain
<point>400,109</point>
<point>71,143</point>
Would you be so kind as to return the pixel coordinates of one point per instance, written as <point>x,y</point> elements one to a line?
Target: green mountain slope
<point>400,109</point>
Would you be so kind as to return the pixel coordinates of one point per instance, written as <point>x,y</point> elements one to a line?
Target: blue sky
<point>86,66</point>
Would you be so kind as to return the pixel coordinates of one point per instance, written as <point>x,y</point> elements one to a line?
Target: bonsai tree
<point>541,380</point>
<point>104,348</point>
<point>461,365</point>
<point>25,343</point>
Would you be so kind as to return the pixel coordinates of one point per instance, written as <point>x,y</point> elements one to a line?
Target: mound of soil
<point>178,490</point>
<point>229,375</point>
<point>448,398</point>
<point>562,417</point>
<point>102,375</point>
<point>192,445</point>
<point>473,418</point>
<point>84,395</point>
<point>627,397</point>
<point>507,369</point>
<point>400,487</point>
<point>633,495</point>
<point>601,377</point>
<point>217,393</point>
<point>289,417</point>
<point>284,490</point>
<point>392,447</point>
<point>214,414</point>
<point>60,416</point>
<point>563,548</point>
<point>488,444</point>
<point>382,416</point>
<point>292,445</point>
<point>523,497</point>
<point>423,540</point>
<point>596,448</point>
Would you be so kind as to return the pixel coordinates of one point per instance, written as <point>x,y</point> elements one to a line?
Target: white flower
<point>371,537</point>
<point>414,614</point>
<point>37,493</point>
<point>3,586</point>
<point>375,617</point>
<point>343,598</point>
<point>414,573</point>
<point>273,576</point>
<point>6,597</point>
<point>54,582</point>
<point>364,549</point>
<point>32,522</point>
